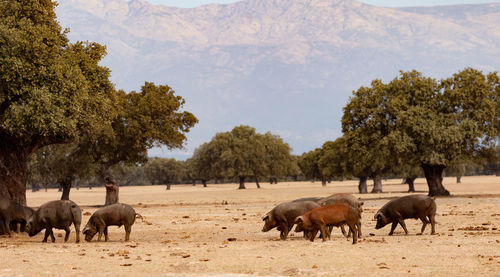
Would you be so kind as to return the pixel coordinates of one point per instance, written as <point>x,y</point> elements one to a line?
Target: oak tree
<point>46,93</point>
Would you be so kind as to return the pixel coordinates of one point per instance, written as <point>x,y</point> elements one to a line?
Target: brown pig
<point>344,198</point>
<point>334,215</point>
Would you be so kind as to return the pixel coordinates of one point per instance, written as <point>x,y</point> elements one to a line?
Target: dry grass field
<point>190,231</point>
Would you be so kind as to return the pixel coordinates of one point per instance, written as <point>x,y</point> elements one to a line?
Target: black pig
<point>12,211</point>
<point>116,214</point>
<point>59,214</point>
<point>283,216</point>
<point>411,206</point>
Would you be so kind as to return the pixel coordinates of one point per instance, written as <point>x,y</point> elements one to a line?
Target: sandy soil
<point>190,231</point>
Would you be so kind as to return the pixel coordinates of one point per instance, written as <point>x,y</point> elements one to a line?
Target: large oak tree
<point>50,90</point>
<point>429,122</point>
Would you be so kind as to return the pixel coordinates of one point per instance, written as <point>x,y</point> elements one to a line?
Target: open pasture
<point>191,231</point>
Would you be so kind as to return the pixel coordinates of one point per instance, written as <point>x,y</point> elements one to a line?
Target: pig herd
<point>61,214</point>
<point>310,215</point>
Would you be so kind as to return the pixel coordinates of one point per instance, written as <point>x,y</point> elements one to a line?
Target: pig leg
<point>48,231</point>
<point>324,232</point>
<point>52,235</point>
<point>101,230</point>
<point>354,231</point>
<point>67,233</point>
<point>402,223</point>
<point>128,228</point>
<point>358,226</point>
<point>433,222</point>
<point>424,223</point>
<point>77,230</point>
<point>394,224</point>
<point>106,234</point>
<point>7,225</point>
<point>313,234</point>
<point>343,231</point>
<point>284,231</point>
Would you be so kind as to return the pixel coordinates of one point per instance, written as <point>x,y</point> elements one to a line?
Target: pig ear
<point>298,220</point>
<point>377,215</point>
<point>266,217</point>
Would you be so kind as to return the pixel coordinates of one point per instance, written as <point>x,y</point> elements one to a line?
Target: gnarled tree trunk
<point>112,191</point>
<point>377,184</point>
<point>323,182</point>
<point>257,183</point>
<point>66,187</point>
<point>204,182</point>
<point>411,183</point>
<point>362,187</point>
<point>242,183</point>
<point>434,177</point>
<point>13,164</point>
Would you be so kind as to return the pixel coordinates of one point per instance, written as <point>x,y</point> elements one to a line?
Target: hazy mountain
<point>285,66</point>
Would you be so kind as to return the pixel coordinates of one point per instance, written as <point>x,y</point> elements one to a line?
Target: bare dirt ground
<point>190,231</point>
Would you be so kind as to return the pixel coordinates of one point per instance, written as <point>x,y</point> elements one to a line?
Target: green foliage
<point>335,159</point>
<point>419,120</point>
<point>145,119</point>
<point>308,163</point>
<point>201,163</point>
<point>47,94</point>
<point>243,153</point>
<point>162,171</point>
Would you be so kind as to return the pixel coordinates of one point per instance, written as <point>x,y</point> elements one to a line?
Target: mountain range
<point>284,66</point>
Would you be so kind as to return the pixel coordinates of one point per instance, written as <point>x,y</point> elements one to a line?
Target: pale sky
<point>387,3</point>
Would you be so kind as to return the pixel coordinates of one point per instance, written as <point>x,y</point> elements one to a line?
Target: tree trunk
<point>434,177</point>
<point>204,182</point>
<point>257,182</point>
<point>362,187</point>
<point>66,187</point>
<point>112,191</point>
<point>377,184</point>
<point>410,181</point>
<point>13,164</point>
<point>168,186</point>
<point>242,182</point>
<point>459,179</point>
<point>194,182</point>
<point>323,182</point>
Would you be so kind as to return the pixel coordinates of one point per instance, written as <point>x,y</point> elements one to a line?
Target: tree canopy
<point>419,120</point>
<point>164,171</point>
<point>50,90</point>
<point>242,153</point>
<point>145,119</point>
